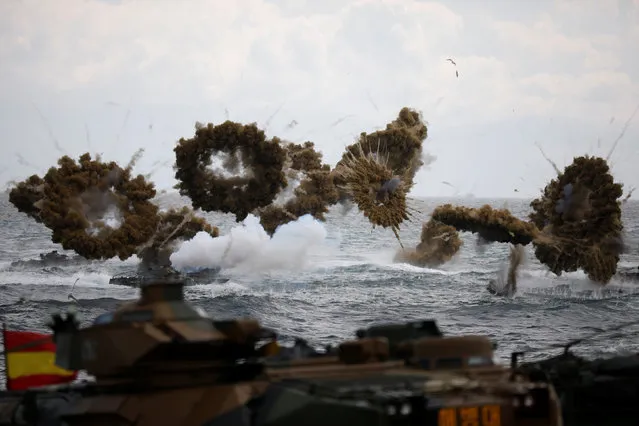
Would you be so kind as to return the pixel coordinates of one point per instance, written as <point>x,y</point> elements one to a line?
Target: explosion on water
<point>93,208</point>
<point>507,285</point>
<point>439,243</point>
<point>377,171</point>
<point>249,248</point>
<point>496,225</point>
<point>251,173</point>
<point>280,181</point>
<point>310,188</point>
<point>576,224</point>
<point>174,227</point>
<point>581,211</point>
<point>100,211</point>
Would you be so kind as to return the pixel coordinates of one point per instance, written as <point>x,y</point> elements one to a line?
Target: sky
<point>110,77</point>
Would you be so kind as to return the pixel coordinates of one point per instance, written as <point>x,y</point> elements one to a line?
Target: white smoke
<point>250,248</point>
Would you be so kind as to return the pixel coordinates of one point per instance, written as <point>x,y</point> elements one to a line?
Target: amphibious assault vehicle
<point>50,259</point>
<point>140,277</point>
<point>160,361</point>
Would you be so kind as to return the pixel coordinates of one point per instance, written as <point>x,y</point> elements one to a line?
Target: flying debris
<point>22,161</point>
<point>46,124</point>
<point>292,124</point>
<point>267,123</point>
<point>341,119</point>
<point>628,194</point>
<point>371,101</point>
<point>451,61</point>
<point>622,133</point>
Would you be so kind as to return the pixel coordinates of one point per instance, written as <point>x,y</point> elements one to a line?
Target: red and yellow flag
<point>30,361</point>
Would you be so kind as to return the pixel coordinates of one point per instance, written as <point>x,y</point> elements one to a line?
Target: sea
<point>323,281</point>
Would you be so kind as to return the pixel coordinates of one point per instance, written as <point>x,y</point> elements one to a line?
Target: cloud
<point>582,47</point>
<point>172,63</point>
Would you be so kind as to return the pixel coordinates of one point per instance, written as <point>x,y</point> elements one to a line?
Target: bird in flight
<point>455,64</point>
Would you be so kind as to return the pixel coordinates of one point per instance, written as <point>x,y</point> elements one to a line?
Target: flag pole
<point>6,356</point>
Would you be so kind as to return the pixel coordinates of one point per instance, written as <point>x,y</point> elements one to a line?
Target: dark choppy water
<point>349,283</point>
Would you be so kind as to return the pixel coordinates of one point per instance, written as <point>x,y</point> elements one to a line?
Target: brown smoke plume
<point>498,225</point>
<point>580,210</point>
<point>256,165</point>
<point>313,195</point>
<point>575,224</point>
<point>439,243</point>
<point>74,199</point>
<point>377,171</point>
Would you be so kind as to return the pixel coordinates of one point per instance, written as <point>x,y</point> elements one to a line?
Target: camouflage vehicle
<point>52,258</point>
<point>593,392</point>
<point>160,361</point>
<point>140,277</point>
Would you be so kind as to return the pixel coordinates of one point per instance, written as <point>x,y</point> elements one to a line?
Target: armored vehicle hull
<point>137,279</point>
<point>158,361</point>
<point>50,259</point>
<point>594,392</point>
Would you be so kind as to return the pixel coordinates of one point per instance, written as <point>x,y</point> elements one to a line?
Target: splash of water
<point>248,247</point>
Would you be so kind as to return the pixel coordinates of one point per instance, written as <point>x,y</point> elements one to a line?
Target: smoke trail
<point>623,132</point>
<point>56,144</point>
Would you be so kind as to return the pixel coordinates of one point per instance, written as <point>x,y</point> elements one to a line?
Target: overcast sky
<point>112,76</point>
